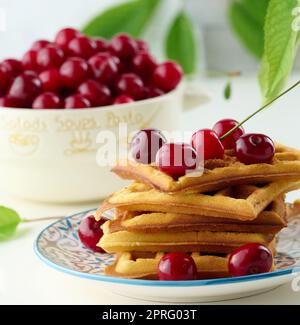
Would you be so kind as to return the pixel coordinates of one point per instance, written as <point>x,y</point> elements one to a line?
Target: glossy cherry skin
<point>250,259</point>
<point>10,102</point>
<point>47,100</point>
<point>144,64</point>
<point>29,61</point>
<point>207,144</point>
<point>177,159</point>
<point>145,145</point>
<point>51,80</point>
<point>77,101</point>
<point>142,45</point>
<point>25,88</point>
<point>123,46</point>
<point>6,77</point>
<point>177,267</point>
<point>64,36</point>
<point>255,148</point>
<point>13,65</point>
<point>40,44</point>
<point>90,233</point>
<point>123,99</point>
<point>151,92</point>
<point>101,44</point>
<point>82,46</point>
<point>223,126</point>
<point>50,57</point>
<point>167,75</point>
<point>131,85</point>
<point>73,72</point>
<point>96,93</point>
<point>104,67</point>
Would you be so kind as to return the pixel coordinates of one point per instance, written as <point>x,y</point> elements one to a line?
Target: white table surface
<point>24,279</point>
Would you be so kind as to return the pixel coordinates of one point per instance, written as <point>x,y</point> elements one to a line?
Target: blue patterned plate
<point>58,246</point>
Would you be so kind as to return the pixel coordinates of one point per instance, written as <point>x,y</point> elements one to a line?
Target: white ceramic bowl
<point>50,155</point>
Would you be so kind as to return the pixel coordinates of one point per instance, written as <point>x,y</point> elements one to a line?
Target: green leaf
<point>280,48</point>
<point>181,45</point>
<point>227,90</point>
<point>247,18</point>
<point>130,17</point>
<point>9,220</point>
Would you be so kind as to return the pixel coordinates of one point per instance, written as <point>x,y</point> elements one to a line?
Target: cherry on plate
<point>250,259</point>
<point>144,64</point>
<point>73,72</point>
<point>177,159</point>
<point>90,233</point>
<point>131,85</point>
<point>177,267</point>
<point>224,126</point>
<point>76,101</point>
<point>167,75</point>
<point>47,100</point>
<point>255,148</point>
<point>96,93</point>
<point>145,145</point>
<point>123,46</point>
<point>142,45</point>
<point>40,44</point>
<point>50,57</point>
<point>6,77</point>
<point>152,91</point>
<point>13,65</point>
<point>82,46</point>
<point>51,80</point>
<point>123,99</point>
<point>10,102</point>
<point>29,61</point>
<point>64,36</point>
<point>101,44</point>
<point>207,144</point>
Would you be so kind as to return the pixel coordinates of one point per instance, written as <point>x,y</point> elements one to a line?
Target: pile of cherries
<point>248,259</point>
<point>176,159</point>
<point>76,71</point>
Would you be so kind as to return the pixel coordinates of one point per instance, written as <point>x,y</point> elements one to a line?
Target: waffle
<point>218,173</point>
<point>144,265</point>
<point>243,202</point>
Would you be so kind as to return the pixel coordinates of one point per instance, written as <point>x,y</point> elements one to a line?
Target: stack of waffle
<point>207,216</point>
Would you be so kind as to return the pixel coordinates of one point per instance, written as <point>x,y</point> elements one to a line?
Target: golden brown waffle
<point>144,265</point>
<point>271,220</point>
<point>218,173</point>
<point>243,202</point>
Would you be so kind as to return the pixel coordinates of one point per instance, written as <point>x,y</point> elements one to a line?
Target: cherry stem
<point>41,219</point>
<point>259,110</point>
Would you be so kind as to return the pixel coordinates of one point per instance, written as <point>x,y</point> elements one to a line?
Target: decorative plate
<point>58,246</point>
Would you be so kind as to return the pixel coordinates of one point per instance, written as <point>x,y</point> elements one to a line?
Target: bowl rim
<point>132,105</point>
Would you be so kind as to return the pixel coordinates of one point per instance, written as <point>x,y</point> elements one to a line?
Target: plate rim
<point>155,283</point>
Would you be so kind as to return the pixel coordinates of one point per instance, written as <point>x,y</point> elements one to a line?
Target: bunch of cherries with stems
<point>249,259</point>
<point>76,71</point>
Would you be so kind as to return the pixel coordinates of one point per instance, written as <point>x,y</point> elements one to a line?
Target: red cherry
<point>255,148</point>
<point>152,91</point>
<point>105,67</point>
<point>223,126</point>
<point>207,144</point>
<point>77,101</point>
<point>47,100</point>
<point>64,36</point>
<point>13,65</point>
<point>177,267</point>
<point>29,60</point>
<point>25,88</point>
<point>51,80</point>
<point>123,46</point>
<point>176,159</point>
<point>131,85</point>
<point>82,46</point>
<point>10,102</point>
<point>142,45</point>
<point>96,93</point>
<point>123,99</point>
<point>167,75</point>
<point>250,259</point>
<point>145,145</point>
<point>6,77</point>
<point>144,64</point>
<point>101,44</point>
<point>50,57</point>
<point>73,72</point>
<point>90,233</point>
<point>40,44</point>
